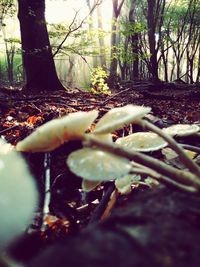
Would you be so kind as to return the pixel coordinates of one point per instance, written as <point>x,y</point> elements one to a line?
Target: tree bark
<point>152,38</point>
<point>117,6</point>
<point>134,43</point>
<point>101,38</point>
<point>36,50</point>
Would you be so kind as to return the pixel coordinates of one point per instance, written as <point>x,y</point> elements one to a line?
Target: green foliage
<point>79,42</point>
<point>13,40</point>
<point>123,52</point>
<point>98,81</point>
<point>17,68</point>
<point>7,9</point>
<point>3,67</point>
<point>130,28</point>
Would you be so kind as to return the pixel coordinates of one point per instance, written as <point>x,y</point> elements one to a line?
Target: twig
<point>113,96</point>
<point>8,129</point>
<point>190,164</point>
<point>96,216</point>
<point>47,182</point>
<point>192,148</point>
<point>181,176</point>
<point>76,28</point>
<point>163,179</point>
<point>110,205</point>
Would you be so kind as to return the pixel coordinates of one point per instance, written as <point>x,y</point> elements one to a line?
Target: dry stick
<point>190,164</point>
<point>163,179</point>
<point>110,205</point>
<point>192,148</point>
<point>181,176</point>
<point>96,216</point>
<point>47,182</point>
<point>8,129</point>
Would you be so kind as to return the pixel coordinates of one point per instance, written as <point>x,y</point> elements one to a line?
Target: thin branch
<point>190,164</point>
<point>47,182</point>
<point>163,179</point>
<point>181,176</point>
<point>192,148</point>
<point>102,205</point>
<point>76,28</point>
<point>67,35</point>
<point>9,128</point>
<point>78,53</point>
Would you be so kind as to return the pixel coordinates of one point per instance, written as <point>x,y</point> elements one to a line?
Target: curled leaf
<point>182,129</point>
<point>142,141</point>
<point>88,186</point>
<point>107,138</point>
<point>124,183</point>
<point>119,117</point>
<point>97,165</point>
<point>54,133</point>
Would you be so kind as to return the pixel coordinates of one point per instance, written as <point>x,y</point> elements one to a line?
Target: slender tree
<point>36,50</point>
<point>155,13</point>
<point>101,38</point>
<point>134,42</point>
<point>117,6</point>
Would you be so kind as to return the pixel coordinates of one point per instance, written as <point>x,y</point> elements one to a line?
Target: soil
<point>165,221</point>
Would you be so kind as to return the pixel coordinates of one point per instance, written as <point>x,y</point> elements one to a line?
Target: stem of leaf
<point>192,148</point>
<point>180,176</point>
<point>190,164</point>
<point>47,193</point>
<point>163,179</point>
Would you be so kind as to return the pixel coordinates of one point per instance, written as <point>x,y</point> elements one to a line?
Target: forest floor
<point>72,210</point>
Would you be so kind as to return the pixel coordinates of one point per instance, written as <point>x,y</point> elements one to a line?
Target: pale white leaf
<point>182,129</point>
<point>54,133</point>
<point>119,117</point>
<point>124,183</point>
<point>88,186</point>
<point>142,141</point>
<point>97,165</point>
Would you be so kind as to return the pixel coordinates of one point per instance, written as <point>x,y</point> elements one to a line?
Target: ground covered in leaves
<point>73,210</point>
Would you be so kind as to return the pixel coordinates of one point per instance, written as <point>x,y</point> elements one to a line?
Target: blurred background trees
<point>129,40</point>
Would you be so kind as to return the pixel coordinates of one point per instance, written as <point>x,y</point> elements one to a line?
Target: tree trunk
<point>152,39</point>
<point>10,52</point>
<point>101,38</point>
<point>198,64</point>
<point>36,50</point>
<point>134,43</point>
<point>117,6</point>
<point>114,61</point>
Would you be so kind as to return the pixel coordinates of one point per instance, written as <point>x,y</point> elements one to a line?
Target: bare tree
<point>117,6</point>
<point>134,42</point>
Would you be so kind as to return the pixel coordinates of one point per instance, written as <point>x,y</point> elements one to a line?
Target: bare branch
<point>71,30</point>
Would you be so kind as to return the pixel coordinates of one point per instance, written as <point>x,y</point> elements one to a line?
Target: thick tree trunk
<point>152,39</point>
<point>37,55</point>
